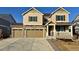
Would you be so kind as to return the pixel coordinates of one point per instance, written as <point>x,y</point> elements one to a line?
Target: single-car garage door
<point>34,33</point>
<point>17,33</point>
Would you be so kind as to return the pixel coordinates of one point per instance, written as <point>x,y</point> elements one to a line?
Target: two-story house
<point>38,25</point>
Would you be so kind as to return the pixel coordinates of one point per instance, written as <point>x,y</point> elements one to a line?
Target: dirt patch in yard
<point>64,45</point>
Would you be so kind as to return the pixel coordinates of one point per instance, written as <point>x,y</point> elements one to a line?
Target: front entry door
<point>51,33</point>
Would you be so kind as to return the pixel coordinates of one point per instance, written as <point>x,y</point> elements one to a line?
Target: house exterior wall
<point>17,31</point>
<point>33,27</point>
<point>66,34</point>
<point>60,12</point>
<point>61,34</point>
<point>28,31</point>
<point>33,13</point>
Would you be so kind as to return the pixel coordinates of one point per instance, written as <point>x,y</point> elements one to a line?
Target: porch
<point>64,32</point>
<point>63,35</point>
<point>59,31</point>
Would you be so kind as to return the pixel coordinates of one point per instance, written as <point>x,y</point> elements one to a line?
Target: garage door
<point>34,33</point>
<point>17,33</point>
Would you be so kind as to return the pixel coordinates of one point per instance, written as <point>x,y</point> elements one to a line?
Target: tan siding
<point>60,12</point>
<point>39,18</point>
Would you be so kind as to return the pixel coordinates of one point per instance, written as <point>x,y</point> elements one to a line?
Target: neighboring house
<point>6,20</point>
<point>39,25</point>
<point>75,24</point>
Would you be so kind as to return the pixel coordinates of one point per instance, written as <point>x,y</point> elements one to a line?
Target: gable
<point>50,23</point>
<point>32,10</point>
<point>61,11</point>
<point>76,19</point>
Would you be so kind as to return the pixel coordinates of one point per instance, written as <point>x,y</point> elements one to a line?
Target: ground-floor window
<point>60,28</point>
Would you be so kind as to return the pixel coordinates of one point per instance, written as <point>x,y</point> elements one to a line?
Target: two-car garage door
<point>29,33</point>
<point>33,33</point>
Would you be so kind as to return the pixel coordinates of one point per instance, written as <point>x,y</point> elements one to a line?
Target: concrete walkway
<point>23,44</point>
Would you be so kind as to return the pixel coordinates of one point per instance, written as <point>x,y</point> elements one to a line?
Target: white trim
<point>47,31</point>
<point>71,31</point>
<point>31,9</point>
<point>51,24</point>
<point>54,31</point>
<point>48,23</point>
<point>16,28</point>
<point>58,9</point>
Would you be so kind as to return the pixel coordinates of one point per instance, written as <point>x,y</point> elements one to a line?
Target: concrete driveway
<point>23,44</point>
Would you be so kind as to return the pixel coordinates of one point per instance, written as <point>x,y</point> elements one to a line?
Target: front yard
<point>64,45</point>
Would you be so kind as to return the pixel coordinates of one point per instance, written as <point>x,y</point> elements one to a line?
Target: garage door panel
<point>34,33</point>
<point>17,33</point>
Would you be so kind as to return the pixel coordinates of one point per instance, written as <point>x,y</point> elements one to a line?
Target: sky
<point>16,12</point>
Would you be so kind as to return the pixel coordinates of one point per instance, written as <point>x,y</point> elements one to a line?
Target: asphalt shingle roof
<point>8,17</point>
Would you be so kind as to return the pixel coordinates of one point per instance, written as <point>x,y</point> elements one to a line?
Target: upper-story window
<point>60,17</point>
<point>33,18</point>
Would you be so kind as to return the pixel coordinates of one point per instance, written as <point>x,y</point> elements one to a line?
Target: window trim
<point>59,28</point>
<point>60,17</point>
<point>31,19</point>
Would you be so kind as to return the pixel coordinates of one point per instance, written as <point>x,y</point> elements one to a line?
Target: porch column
<point>47,30</point>
<point>72,31</point>
<point>54,32</point>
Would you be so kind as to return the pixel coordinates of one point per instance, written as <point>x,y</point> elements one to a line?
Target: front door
<point>51,33</point>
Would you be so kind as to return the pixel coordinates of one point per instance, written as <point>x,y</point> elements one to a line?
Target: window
<point>60,28</point>
<point>33,18</point>
<point>60,17</point>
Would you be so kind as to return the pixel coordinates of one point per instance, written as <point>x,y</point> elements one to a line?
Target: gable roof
<point>76,19</point>
<point>59,9</point>
<point>31,9</point>
<point>8,17</point>
<point>18,24</point>
<point>49,22</point>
